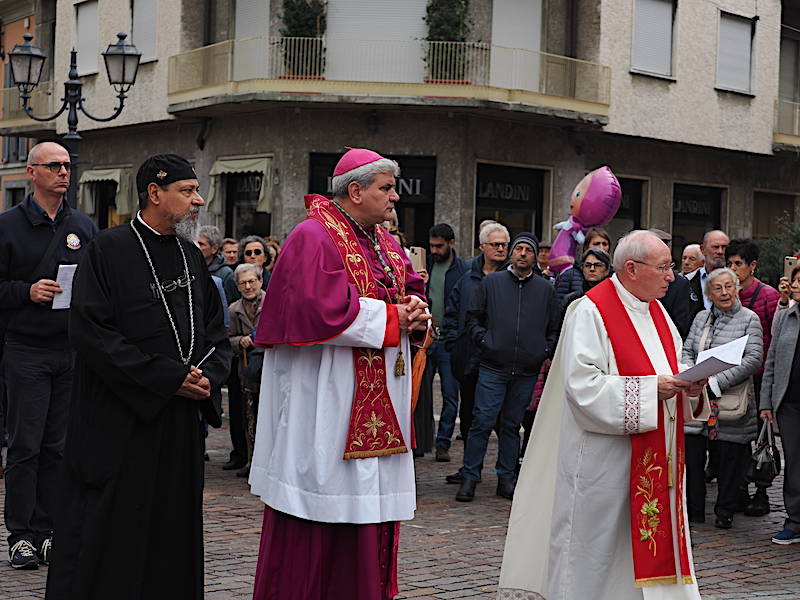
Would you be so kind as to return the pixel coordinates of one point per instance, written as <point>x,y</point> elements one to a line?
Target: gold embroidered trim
<point>651,581</point>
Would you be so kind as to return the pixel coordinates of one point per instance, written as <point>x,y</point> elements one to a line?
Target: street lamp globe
<point>27,61</point>
<point>122,63</point>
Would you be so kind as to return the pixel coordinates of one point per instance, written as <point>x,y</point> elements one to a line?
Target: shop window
<point>769,209</point>
<point>629,215</point>
<point>696,209</point>
<point>512,196</point>
<point>241,204</point>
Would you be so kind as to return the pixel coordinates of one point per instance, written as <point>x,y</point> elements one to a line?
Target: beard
<point>188,226</point>
<point>440,258</point>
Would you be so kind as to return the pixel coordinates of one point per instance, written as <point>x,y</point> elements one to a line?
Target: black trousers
<point>788,416</point>
<point>731,475</point>
<point>39,383</point>
<point>236,415</point>
<point>696,447</point>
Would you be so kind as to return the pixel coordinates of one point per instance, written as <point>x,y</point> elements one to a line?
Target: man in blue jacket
<point>464,358</point>
<point>36,238</point>
<point>444,270</point>
<point>513,319</point>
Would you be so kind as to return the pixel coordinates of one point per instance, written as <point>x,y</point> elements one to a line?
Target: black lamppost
<point>122,64</point>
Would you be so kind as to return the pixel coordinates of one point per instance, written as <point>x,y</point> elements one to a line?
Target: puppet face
<point>596,198</point>
<point>578,194</point>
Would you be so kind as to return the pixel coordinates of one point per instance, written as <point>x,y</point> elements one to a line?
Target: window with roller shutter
<point>653,22</point>
<point>734,58</point>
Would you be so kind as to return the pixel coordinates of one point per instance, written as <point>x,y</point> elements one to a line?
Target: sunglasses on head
<point>254,252</point>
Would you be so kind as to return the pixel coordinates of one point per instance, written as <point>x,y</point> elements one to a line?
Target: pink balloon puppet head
<point>594,202</point>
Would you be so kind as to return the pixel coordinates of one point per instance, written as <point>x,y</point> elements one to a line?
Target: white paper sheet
<point>64,279</point>
<point>715,360</point>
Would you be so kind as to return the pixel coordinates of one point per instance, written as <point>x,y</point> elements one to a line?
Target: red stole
<point>373,430</point>
<point>651,524</point>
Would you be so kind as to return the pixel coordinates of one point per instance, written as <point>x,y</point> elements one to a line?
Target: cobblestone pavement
<point>454,550</point>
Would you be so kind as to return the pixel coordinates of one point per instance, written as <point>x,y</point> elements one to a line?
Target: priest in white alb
<point>332,459</point>
<point>599,510</point>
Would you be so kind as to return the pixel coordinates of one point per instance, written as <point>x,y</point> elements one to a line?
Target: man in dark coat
<point>444,269</point>
<point>145,313</point>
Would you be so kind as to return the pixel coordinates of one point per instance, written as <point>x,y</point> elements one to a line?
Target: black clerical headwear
<point>163,169</point>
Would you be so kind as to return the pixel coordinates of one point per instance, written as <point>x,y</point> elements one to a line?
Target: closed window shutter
<point>652,36</point>
<point>144,27</point>
<point>358,51</point>
<point>252,19</point>
<point>733,62</point>
<point>86,29</point>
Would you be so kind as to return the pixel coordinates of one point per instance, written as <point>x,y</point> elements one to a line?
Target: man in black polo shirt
<point>36,237</point>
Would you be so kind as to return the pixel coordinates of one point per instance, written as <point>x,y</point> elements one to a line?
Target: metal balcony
<point>388,69</point>
<point>12,116</point>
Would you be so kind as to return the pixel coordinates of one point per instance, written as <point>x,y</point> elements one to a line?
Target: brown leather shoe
<point>442,455</point>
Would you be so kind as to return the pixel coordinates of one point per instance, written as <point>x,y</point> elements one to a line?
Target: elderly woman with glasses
<point>725,321</point>
<point>253,250</point>
<point>780,400</point>
<point>244,314</point>
<point>595,266</point>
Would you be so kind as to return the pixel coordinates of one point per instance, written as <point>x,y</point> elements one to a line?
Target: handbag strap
<point>704,335</point>
<point>754,296</point>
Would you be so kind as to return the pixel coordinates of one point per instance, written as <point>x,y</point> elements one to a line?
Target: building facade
<point>694,104</point>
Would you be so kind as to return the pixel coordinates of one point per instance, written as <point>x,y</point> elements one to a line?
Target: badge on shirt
<point>73,242</point>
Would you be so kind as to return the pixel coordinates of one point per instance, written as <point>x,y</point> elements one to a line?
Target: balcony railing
<point>787,117</point>
<point>11,106</point>
<point>401,62</point>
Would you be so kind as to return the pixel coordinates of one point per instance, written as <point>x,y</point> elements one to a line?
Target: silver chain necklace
<point>184,359</point>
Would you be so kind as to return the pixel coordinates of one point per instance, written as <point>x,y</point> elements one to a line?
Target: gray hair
<point>708,234</point>
<point>493,226</point>
<point>363,176</point>
<point>244,268</point>
<point>212,234</point>
<point>633,246</point>
<point>694,248</point>
<point>716,273</point>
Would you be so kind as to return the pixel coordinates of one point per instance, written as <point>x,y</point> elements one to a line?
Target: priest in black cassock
<point>144,315</point>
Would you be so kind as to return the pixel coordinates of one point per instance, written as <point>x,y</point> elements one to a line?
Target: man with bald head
<point>713,251</point>
<point>607,448</point>
<point>691,259</point>
<point>36,237</point>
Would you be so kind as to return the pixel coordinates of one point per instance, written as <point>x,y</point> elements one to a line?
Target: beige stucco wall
<point>147,100</point>
<point>689,109</point>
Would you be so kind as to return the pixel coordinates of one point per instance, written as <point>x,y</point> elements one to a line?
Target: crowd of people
<point>106,401</point>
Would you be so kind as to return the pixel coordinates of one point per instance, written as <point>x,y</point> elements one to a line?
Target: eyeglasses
<point>497,245</point>
<point>663,269</point>
<point>254,252</point>
<point>592,265</point>
<point>249,282</point>
<point>55,167</point>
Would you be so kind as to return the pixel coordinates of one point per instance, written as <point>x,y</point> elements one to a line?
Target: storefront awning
<point>263,166</point>
<point>122,200</point>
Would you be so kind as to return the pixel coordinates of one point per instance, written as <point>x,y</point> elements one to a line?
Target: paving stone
<point>452,549</point>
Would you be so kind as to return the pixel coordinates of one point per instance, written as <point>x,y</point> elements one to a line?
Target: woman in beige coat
<point>244,318</point>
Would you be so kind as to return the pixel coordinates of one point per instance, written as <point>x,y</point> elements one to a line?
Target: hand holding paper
<point>64,279</point>
<point>715,360</point>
